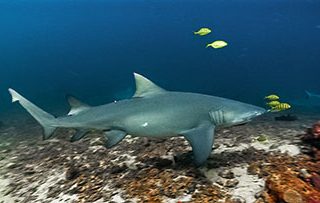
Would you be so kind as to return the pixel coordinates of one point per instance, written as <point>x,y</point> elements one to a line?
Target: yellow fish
<point>203,31</point>
<point>217,44</point>
<point>273,103</point>
<point>272,97</point>
<point>280,107</point>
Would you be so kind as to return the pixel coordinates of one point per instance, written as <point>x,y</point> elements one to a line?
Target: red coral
<point>311,200</point>
<point>316,130</point>
<point>315,179</point>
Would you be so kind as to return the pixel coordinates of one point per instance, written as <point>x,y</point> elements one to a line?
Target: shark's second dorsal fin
<point>76,105</point>
<point>145,87</point>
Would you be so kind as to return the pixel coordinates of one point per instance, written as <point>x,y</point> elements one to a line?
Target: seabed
<point>263,161</point>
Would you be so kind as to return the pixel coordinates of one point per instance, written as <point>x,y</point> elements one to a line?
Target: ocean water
<point>91,48</point>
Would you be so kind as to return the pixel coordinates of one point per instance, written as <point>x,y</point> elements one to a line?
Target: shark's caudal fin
<point>45,119</point>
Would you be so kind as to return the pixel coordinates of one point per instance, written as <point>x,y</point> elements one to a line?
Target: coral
<point>312,138</point>
<point>292,179</point>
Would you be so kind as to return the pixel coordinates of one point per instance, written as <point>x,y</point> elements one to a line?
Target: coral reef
<point>292,180</point>
<point>312,138</point>
<point>259,162</point>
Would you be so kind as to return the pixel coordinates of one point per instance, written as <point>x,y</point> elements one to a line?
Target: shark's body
<point>311,102</point>
<point>152,112</point>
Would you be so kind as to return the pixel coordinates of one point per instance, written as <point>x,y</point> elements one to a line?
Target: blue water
<point>91,48</point>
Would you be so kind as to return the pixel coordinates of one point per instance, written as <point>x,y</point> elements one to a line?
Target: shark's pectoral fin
<point>201,141</point>
<point>76,105</point>
<point>114,137</point>
<point>79,134</point>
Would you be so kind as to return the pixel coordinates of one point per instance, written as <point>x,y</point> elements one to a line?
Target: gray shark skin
<point>312,95</point>
<point>152,112</point>
<point>310,102</point>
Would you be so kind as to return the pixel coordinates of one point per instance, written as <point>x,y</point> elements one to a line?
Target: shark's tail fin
<point>44,118</point>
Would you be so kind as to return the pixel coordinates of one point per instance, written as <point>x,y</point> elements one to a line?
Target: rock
<point>228,174</point>
<point>9,190</point>
<point>316,130</point>
<point>118,169</point>
<point>259,200</point>
<point>292,196</point>
<point>288,117</point>
<point>258,194</point>
<point>97,142</point>
<point>262,138</point>
<point>72,173</point>
<point>235,199</point>
<point>254,169</point>
<point>221,181</point>
<point>231,183</point>
<point>29,172</point>
<point>312,138</point>
<point>215,146</point>
<point>315,180</point>
<point>191,188</point>
<point>312,200</point>
<point>230,144</point>
<point>274,146</point>
<point>163,163</point>
<point>5,151</point>
<point>287,187</point>
<point>304,174</point>
<point>12,165</point>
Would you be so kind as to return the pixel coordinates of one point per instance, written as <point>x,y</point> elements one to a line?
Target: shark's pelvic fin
<point>145,87</point>
<point>76,105</point>
<point>114,137</point>
<point>79,134</point>
<point>45,119</point>
<point>201,141</point>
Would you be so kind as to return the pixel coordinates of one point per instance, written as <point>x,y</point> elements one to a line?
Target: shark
<point>151,112</point>
<point>310,102</point>
<point>312,95</point>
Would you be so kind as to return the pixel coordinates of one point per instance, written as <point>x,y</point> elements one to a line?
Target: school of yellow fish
<point>218,44</point>
<point>272,99</point>
<point>274,103</point>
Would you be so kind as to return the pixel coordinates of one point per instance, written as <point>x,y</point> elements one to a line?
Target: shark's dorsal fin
<point>145,87</point>
<point>76,105</point>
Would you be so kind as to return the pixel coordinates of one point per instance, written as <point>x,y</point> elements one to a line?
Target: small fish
<point>281,107</point>
<point>273,103</point>
<point>217,44</point>
<point>272,97</point>
<point>202,31</point>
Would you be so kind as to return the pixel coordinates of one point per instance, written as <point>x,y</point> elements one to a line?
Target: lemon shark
<point>151,112</point>
<point>311,102</point>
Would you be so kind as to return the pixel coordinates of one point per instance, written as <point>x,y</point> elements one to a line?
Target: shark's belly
<point>162,123</point>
